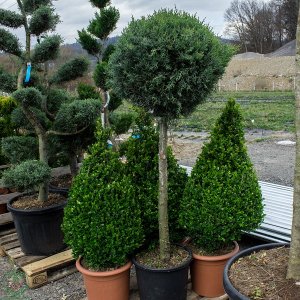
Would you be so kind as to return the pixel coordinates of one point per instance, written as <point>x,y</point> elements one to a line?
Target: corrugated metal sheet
<point>278,209</point>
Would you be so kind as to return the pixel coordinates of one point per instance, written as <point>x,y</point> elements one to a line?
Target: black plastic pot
<point>163,284</point>
<point>228,287</point>
<point>39,230</point>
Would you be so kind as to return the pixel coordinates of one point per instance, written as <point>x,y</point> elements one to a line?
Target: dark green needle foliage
<point>100,3</point>
<point>72,69</point>
<point>31,5</point>
<point>86,91</point>
<point>8,82</point>
<point>102,220</point>
<point>10,18</point>
<point>100,75</point>
<point>27,175</point>
<point>107,52</point>
<point>9,43</point>
<point>89,43</point>
<point>222,197</point>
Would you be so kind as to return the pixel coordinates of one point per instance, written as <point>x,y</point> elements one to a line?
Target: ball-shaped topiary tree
<point>102,221</point>
<point>222,197</point>
<point>167,63</point>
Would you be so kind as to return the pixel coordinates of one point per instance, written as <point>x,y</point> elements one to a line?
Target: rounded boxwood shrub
<point>102,220</point>
<point>222,197</point>
<point>142,166</point>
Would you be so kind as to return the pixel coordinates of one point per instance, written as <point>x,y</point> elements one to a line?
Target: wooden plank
<point>49,262</point>
<point>7,231</point>
<point>11,245</point>
<point>8,238</point>
<point>27,259</point>
<point>6,218</point>
<point>42,278</point>
<point>15,253</point>
<point>5,198</point>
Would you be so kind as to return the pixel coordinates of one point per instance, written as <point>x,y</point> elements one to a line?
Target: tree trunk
<point>73,164</point>
<point>294,257</point>
<point>43,154</point>
<point>164,241</point>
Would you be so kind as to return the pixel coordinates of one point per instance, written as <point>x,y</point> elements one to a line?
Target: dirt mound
<point>288,49</point>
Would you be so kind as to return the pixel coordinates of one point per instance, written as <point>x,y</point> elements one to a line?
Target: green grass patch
<point>264,110</point>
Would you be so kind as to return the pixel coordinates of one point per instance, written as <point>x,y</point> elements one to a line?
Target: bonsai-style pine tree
<point>167,63</point>
<point>94,41</point>
<point>222,197</point>
<point>43,109</point>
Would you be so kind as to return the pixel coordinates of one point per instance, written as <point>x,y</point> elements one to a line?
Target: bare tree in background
<point>261,26</point>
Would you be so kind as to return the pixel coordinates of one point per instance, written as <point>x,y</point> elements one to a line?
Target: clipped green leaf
<point>10,18</point>
<point>43,19</point>
<point>48,49</point>
<point>71,70</point>
<point>9,43</point>
<point>104,23</point>
<point>90,44</point>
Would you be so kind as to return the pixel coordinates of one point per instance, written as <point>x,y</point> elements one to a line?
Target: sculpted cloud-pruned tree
<point>94,41</point>
<point>167,63</point>
<point>294,257</point>
<point>42,109</point>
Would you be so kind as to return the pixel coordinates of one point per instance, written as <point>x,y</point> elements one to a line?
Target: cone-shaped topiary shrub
<point>222,197</point>
<point>102,220</point>
<point>142,167</point>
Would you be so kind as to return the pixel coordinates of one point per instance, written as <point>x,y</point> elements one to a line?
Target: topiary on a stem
<point>167,63</point>
<point>222,197</point>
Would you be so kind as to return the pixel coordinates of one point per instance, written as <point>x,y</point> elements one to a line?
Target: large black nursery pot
<point>39,229</point>
<point>163,284</point>
<point>233,293</point>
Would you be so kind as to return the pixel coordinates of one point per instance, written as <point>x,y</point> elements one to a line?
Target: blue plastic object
<point>28,72</point>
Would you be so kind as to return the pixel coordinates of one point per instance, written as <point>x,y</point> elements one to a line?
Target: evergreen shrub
<point>222,197</point>
<point>142,167</point>
<point>102,220</point>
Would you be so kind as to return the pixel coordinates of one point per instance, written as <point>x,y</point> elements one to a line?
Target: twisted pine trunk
<point>164,240</point>
<point>294,257</point>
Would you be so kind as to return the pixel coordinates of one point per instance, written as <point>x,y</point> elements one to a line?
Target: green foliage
<point>27,175</point>
<point>72,69</point>
<point>104,23</point>
<point>86,91</point>
<point>107,52</point>
<point>9,43</point>
<point>100,3</point>
<point>48,49</point>
<point>142,168</point>
<point>102,221</point>
<point>7,82</point>
<point>43,19</point>
<point>20,120</point>
<point>10,19</point>
<point>114,101</point>
<point>89,43</point>
<point>76,115</point>
<point>120,122</point>
<point>167,63</point>
<point>28,97</point>
<point>7,105</point>
<point>222,197</point>
<point>19,148</point>
<point>100,75</point>
<point>55,98</point>
<point>31,5</point>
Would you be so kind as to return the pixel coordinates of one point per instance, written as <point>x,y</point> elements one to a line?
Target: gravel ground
<point>273,162</point>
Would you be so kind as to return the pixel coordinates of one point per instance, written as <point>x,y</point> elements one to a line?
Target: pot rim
<point>42,210</point>
<point>85,271</point>
<point>226,280</point>
<point>218,257</point>
<point>168,270</point>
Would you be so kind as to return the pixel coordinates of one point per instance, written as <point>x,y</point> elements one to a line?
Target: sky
<point>75,14</point>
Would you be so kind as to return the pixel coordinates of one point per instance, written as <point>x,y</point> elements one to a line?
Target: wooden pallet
<point>39,270</point>
<point>5,198</point>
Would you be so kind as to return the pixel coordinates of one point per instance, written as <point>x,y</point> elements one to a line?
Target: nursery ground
<point>272,154</point>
